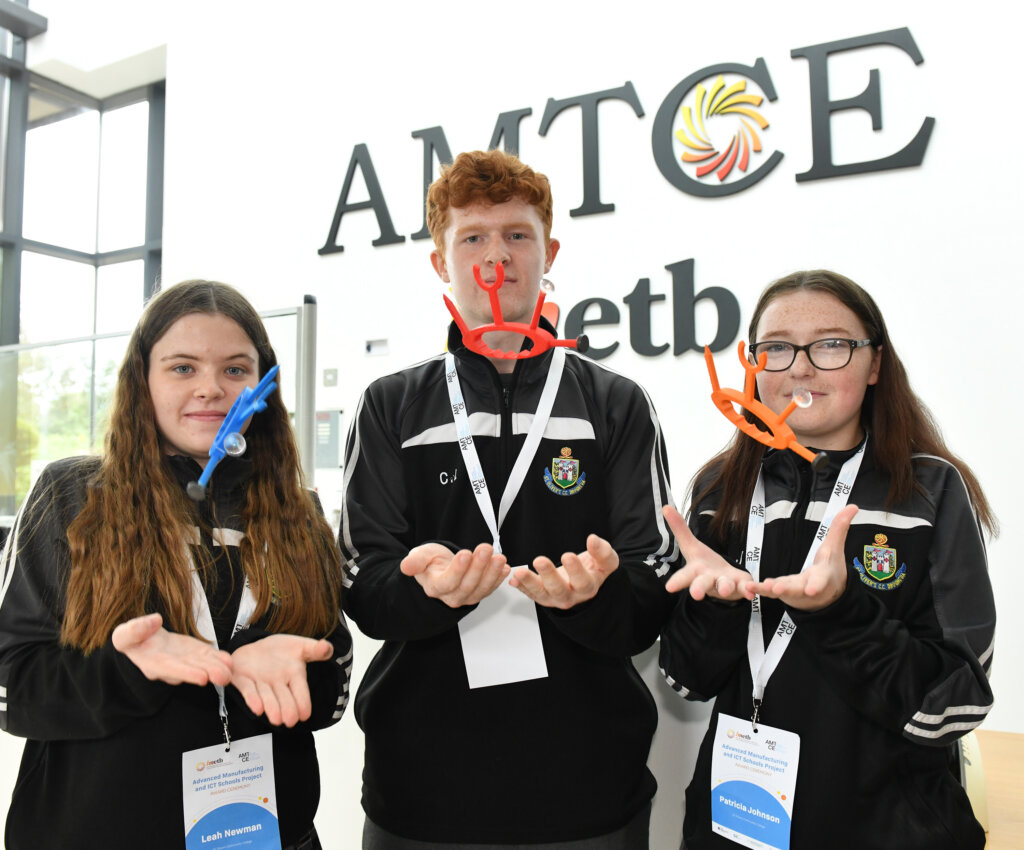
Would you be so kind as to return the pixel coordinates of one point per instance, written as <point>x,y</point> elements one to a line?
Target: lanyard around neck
<point>763,662</point>
<point>468,446</point>
<point>204,624</point>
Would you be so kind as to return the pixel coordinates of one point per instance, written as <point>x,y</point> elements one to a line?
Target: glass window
<point>54,409</point>
<point>61,180</point>
<point>109,354</point>
<point>57,298</point>
<point>15,446</point>
<point>63,395</point>
<point>122,210</point>
<point>3,260</point>
<point>85,200</point>
<point>119,289</point>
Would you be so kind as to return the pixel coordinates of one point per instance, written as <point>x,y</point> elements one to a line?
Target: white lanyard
<point>204,623</point>
<point>468,448</point>
<point>763,663</point>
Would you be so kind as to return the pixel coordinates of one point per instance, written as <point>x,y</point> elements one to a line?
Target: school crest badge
<point>880,560</point>
<point>881,569</point>
<point>564,477</point>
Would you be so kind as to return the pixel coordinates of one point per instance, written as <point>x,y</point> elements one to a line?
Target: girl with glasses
<point>139,629</point>
<point>842,620</point>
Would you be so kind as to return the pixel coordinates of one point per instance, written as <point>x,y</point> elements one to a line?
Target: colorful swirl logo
<point>721,101</point>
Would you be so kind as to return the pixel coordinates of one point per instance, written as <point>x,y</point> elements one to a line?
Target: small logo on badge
<point>881,569</point>
<point>564,477</point>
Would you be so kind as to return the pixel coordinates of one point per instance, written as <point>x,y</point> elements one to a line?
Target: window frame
<point>22,85</point>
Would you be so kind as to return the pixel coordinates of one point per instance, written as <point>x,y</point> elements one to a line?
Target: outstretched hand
<point>270,674</point>
<point>706,573</point>
<point>578,578</point>
<point>824,581</point>
<point>170,657</point>
<point>457,579</point>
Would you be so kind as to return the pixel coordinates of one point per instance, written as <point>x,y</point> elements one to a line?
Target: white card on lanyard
<point>753,780</point>
<point>501,640</point>
<point>229,796</point>
<point>228,792</point>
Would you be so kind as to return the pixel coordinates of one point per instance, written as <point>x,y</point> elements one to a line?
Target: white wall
<point>263,114</point>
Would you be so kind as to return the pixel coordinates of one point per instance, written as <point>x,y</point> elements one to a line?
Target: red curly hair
<point>492,177</point>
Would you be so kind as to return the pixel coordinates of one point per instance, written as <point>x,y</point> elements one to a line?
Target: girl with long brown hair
<point>138,626</point>
<point>842,618</point>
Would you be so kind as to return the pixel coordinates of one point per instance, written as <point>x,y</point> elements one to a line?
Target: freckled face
<point>196,371</point>
<point>511,233</point>
<point>833,419</point>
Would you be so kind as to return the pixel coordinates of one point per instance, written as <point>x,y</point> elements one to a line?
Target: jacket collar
<point>786,468</point>
<point>231,473</point>
<point>528,370</point>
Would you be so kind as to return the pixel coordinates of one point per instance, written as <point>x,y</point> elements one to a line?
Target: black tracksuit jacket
<point>879,685</point>
<point>102,765</point>
<point>551,759</point>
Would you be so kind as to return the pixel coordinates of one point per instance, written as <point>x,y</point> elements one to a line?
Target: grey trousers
<point>633,836</point>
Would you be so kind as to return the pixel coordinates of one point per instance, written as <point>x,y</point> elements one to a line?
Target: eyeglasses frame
<point>853,343</point>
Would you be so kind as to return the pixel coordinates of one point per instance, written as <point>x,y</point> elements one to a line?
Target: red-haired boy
<point>503,708</point>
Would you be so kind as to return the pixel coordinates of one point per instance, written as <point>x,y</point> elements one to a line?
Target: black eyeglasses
<point>824,354</point>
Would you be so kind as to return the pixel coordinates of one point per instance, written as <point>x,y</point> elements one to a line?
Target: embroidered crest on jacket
<point>880,570</point>
<point>564,477</point>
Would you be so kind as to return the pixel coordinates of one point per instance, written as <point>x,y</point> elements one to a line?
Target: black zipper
<point>508,450</point>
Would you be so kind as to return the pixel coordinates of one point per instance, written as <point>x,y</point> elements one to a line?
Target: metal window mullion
<point>154,191</point>
<point>96,233</point>
<point>57,252</point>
<point>21,21</point>
<point>64,93</point>
<point>13,200</point>
<point>125,98</point>
<point>56,343</point>
<point>305,399</point>
<point>10,68</point>
<point>95,285</point>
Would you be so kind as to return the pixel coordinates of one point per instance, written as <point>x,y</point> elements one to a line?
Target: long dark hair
<point>899,422</point>
<point>127,542</point>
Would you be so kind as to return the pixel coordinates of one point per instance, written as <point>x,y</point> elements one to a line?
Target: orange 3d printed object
<point>541,338</point>
<point>779,435</point>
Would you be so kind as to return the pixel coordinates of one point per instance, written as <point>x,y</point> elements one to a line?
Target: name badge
<point>753,779</point>
<point>501,640</point>
<point>229,797</point>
